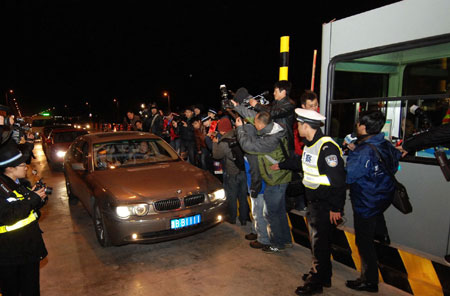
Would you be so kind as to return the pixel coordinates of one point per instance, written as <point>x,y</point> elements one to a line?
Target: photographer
<point>22,245</point>
<point>281,110</point>
<point>228,150</point>
<point>433,137</point>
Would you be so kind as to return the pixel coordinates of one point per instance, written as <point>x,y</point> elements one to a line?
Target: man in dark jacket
<point>371,192</point>
<point>433,137</point>
<point>156,121</point>
<point>187,135</point>
<point>281,110</point>
<point>234,178</point>
<point>22,246</point>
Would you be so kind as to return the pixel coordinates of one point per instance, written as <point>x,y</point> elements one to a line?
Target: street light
<point>166,94</point>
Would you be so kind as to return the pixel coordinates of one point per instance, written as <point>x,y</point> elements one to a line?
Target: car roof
<point>66,130</point>
<point>117,136</point>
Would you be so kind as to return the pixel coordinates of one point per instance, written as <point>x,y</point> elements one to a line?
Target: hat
<point>11,156</point>
<point>224,125</point>
<point>241,94</point>
<point>205,118</point>
<point>311,117</point>
<point>153,106</point>
<point>210,110</point>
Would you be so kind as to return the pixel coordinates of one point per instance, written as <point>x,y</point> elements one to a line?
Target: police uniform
<point>21,243</point>
<point>324,180</point>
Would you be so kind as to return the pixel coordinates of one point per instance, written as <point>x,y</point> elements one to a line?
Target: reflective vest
<point>19,224</point>
<point>311,176</point>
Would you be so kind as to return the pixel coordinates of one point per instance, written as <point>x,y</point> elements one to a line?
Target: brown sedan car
<point>137,188</point>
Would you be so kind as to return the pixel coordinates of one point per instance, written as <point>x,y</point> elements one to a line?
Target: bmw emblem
<point>179,191</point>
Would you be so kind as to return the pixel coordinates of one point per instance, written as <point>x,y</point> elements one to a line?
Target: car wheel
<point>73,200</point>
<point>100,229</point>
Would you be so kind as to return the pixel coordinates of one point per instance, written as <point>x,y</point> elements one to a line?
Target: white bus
<point>390,59</point>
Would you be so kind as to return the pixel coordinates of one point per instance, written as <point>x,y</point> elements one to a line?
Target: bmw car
<point>138,190</point>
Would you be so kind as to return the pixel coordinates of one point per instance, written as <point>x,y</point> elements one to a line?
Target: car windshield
<point>111,155</point>
<point>67,137</point>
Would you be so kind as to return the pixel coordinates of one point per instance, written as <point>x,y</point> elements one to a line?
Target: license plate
<point>184,222</point>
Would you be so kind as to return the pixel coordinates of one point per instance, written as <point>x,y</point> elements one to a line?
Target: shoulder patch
<point>332,160</point>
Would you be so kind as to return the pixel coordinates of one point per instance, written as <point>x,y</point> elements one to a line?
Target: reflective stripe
<point>21,223</point>
<point>312,178</point>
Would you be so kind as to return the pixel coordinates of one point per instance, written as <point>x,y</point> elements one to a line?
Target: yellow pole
<point>313,76</point>
<point>284,57</point>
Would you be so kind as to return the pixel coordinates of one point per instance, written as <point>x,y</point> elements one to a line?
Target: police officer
<point>21,243</point>
<point>324,179</point>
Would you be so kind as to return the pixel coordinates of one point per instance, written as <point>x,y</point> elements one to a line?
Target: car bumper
<point>156,227</point>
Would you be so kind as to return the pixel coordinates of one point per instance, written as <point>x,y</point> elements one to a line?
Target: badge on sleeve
<point>332,160</point>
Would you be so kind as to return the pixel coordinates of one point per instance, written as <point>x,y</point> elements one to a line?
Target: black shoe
<point>272,249</point>
<point>257,245</point>
<point>307,277</point>
<point>243,223</point>
<point>360,285</point>
<point>382,239</point>
<point>309,289</point>
<point>251,236</point>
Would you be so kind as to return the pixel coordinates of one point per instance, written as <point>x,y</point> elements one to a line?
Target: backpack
<point>237,152</point>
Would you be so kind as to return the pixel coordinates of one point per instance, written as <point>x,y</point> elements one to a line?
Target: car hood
<point>154,182</point>
<point>60,146</point>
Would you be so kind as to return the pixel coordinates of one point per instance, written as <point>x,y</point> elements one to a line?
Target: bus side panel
<point>426,229</point>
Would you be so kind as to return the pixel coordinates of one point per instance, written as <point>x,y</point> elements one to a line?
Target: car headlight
<point>218,195</point>
<point>60,153</point>
<point>125,212</point>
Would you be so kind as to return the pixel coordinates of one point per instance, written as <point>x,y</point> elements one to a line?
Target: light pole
<point>167,94</point>
<point>116,103</point>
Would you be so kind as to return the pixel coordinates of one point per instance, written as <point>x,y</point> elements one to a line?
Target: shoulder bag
<point>401,199</point>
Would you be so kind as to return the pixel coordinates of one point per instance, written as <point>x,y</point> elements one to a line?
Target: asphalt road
<point>218,261</point>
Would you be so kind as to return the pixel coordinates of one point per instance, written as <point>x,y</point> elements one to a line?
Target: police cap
<point>311,117</point>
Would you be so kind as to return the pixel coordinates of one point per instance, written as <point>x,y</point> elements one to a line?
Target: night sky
<point>60,53</point>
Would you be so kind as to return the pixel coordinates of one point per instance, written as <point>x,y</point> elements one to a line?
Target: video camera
<point>227,104</point>
<point>422,115</point>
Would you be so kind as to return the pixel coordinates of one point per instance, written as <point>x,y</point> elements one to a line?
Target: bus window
<point>410,86</point>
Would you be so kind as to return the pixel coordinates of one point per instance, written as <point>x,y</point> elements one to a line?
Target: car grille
<point>193,200</point>
<point>168,204</point>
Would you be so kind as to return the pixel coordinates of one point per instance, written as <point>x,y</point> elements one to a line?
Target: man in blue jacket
<point>371,192</point>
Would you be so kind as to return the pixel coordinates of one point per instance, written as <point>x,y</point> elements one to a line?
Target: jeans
<point>236,190</point>
<point>176,145</point>
<point>259,224</point>
<point>275,215</point>
<point>365,230</point>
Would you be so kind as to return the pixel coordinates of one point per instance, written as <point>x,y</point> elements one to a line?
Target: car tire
<point>100,229</point>
<point>73,200</point>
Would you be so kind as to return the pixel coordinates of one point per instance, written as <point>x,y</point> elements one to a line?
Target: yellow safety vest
<point>19,224</point>
<point>311,176</point>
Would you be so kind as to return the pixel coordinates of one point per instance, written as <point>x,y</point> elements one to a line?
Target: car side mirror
<point>78,166</point>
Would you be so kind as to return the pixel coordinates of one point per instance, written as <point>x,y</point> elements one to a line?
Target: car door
<point>78,156</point>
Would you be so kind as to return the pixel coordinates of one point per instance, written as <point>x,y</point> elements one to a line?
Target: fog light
<point>219,218</point>
<point>134,236</point>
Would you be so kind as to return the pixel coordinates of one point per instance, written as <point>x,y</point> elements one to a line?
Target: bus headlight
<point>218,195</point>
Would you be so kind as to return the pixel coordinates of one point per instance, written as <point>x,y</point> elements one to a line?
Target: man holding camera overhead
<point>281,110</point>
